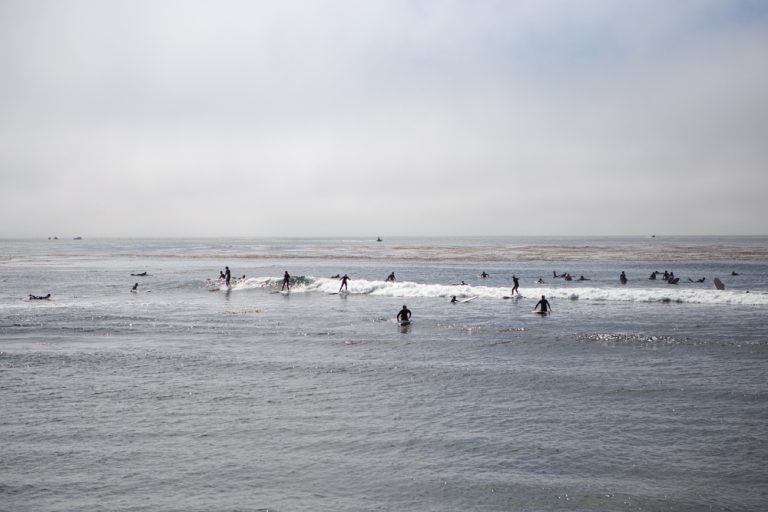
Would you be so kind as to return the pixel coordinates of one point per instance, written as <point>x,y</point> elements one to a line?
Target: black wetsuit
<point>286,281</point>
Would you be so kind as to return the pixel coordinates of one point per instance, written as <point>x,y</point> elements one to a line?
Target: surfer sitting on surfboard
<point>404,315</point>
<point>544,303</point>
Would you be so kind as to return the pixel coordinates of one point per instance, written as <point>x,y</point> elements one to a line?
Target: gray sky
<point>383,117</point>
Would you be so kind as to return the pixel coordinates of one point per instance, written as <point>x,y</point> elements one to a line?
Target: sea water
<point>191,395</point>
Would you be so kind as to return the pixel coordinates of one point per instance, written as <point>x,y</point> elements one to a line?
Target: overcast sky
<point>383,118</point>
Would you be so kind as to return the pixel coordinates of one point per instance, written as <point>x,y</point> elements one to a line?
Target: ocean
<point>191,395</point>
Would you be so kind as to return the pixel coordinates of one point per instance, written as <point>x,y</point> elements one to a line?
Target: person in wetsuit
<point>286,281</point>
<point>344,280</point>
<point>544,303</point>
<point>404,315</point>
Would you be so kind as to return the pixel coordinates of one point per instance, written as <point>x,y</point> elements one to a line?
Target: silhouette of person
<point>623,278</point>
<point>135,288</point>
<point>404,315</point>
<point>286,281</point>
<point>344,280</point>
<point>390,277</point>
<point>453,300</point>
<point>227,275</point>
<point>544,303</point>
<point>515,284</point>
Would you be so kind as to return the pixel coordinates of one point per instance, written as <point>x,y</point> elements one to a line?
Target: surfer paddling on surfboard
<point>404,316</point>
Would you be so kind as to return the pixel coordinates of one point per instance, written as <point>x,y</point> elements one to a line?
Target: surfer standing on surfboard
<point>404,315</point>
<point>515,283</point>
<point>227,275</point>
<point>344,280</point>
<point>286,281</point>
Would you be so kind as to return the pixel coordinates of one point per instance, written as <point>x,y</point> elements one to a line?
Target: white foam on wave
<point>410,289</point>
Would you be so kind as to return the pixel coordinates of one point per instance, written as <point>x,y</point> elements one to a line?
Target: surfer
<point>540,281</point>
<point>135,288</point>
<point>515,284</point>
<point>453,300</point>
<point>390,278</point>
<point>484,274</point>
<point>140,274</point>
<point>227,275</point>
<point>544,303</point>
<point>582,278</point>
<point>623,278</point>
<point>734,273</point>
<point>405,314</point>
<point>39,297</point>
<point>344,280</point>
<point>286,281</point>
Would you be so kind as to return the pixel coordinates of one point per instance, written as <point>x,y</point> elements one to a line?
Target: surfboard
<point>540,312</point>
<point>402,323</point>
<point>469,299</point>
<point>719,284</point>
<point>512,296</point>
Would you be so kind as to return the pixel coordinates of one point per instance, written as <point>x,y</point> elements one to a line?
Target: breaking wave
<point>410,289</point>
